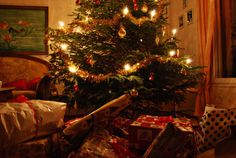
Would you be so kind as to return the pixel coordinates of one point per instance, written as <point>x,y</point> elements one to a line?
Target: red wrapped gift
<point>143,130</point>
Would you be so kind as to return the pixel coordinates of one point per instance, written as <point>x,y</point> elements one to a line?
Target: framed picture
<point>190,16</point>
<point>181,21</point>
<point>23,29</point>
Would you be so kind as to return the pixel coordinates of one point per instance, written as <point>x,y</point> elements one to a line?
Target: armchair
<point>27,74</point>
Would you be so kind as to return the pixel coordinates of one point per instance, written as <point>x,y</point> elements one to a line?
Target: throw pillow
<point>19,84</point>
<point>32,84</point>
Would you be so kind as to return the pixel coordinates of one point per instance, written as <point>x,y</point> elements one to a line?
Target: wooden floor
<point>226,149</point>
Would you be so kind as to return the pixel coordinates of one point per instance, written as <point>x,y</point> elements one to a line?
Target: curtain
<point>206,10</point>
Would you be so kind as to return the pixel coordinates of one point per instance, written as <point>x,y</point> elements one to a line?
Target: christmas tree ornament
<point>77,2</point>
<point>135,5</point>
<point>76,88</point>
<point>144,8</point>
<point>97,2</point>
<point>151,77</point>
<point>122,32</point>
<point>90,60</point>
<point>134,92</point>
<point>157,40</point>
<point>183,72</point>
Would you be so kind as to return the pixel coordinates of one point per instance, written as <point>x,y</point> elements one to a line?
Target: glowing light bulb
<point>64,46</point>
<point>86,19</point>
<point>127,67</point>
<point>177,53</point>
<point>174,31</point>
<point>72,68</point>
<point>172,53</point>
<point>61,24</point>
<point>153,13</point>
<point>78,29</point>
<point>125,11</point>
<point>188,61</point>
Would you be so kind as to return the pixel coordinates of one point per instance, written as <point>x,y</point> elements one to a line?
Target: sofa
<point>28,74</point>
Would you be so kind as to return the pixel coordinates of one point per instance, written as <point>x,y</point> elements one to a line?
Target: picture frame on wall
<point>23,30</point>
<point>181,21</point>
<point>189,16</point>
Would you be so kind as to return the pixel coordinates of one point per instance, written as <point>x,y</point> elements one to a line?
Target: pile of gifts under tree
<point>35,128</point>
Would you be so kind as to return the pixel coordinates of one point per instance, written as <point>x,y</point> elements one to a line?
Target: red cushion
<point>19,84</point>
<point>31,85</point>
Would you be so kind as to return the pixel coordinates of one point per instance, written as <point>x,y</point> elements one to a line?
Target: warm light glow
<point>73,68</point>
<point>153,13</point>
<point>86,19</point>
<point>127,67</point>
<point>78,29</point>
<point>61,24</point>
<point>174,31</point>
<point>163,33</point>
<point>177,53</point>
<point>64,46</point>
<point>125,11</point>
<point>172,53</point>
<point>188,61</point>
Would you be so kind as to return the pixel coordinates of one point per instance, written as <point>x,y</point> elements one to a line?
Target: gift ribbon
<point>23,99</point>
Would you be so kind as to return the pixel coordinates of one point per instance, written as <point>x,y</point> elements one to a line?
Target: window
<point>227,32</point>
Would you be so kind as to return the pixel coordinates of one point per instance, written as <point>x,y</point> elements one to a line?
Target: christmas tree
<point>117,47</point>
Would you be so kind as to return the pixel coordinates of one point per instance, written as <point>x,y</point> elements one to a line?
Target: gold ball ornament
<point>157,40</point>
<point>122,32</point>
<point>144,8</point>
<point>134,92</point>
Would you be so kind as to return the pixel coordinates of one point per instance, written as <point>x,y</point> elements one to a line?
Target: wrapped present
<point>184,124</point>
<point>40,148</point>
<point>143,130</point>
<point>120,126</point>
<point>100,143</point>
<point>97,118</point>
<point>172,142</point>
<point>26,120</point>
<point>214,127</point>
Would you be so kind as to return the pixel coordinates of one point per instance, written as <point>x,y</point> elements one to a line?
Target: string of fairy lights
<point>88,22</point>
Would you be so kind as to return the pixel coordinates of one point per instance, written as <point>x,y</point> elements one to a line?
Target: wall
<point>58,10</point>
<point>187,34</point>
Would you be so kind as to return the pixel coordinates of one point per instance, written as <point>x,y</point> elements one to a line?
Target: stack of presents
<point>36,128</point>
